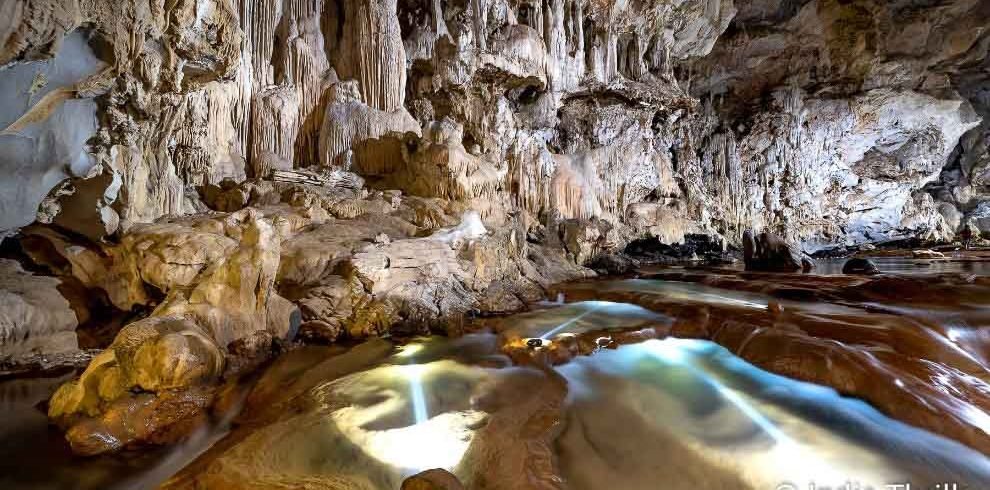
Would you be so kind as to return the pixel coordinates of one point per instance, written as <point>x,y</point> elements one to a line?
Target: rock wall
<point>819,120</point>
<point>191,92</point>
<point>846,122</point>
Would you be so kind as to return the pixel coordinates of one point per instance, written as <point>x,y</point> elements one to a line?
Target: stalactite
<point>478,12</point>
<point>611,56</point>
<point>373,52</point>
<point>265,17</point>
<point>437,22</point>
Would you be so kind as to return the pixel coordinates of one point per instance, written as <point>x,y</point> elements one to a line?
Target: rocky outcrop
<point>830,118</point>
<point>858,265</point>
<point>220,302</point>
<point>34,316</point>
<point>224,289</point>
<point>770,253</point>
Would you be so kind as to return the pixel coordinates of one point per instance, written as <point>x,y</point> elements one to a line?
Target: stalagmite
<point>274,125</point>
<point>349,121</point>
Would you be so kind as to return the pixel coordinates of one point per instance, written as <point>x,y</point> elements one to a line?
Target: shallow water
<point>952,263</point>
<point>657,413</point>
<point>689,413</point>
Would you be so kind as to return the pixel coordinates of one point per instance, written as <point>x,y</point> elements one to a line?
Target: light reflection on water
<point>683,412</point>
<point>672,414</point>
<point>714,410</point>
<point>582,317</point>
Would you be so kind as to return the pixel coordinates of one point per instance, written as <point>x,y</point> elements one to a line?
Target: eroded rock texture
<point>224,174</point>
<point>822,121</point>
<point>830,117</point>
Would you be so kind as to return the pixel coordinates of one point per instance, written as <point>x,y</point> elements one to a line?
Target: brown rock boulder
<point>857,265</point>
<point>768,252</point>
<point>435,479</point>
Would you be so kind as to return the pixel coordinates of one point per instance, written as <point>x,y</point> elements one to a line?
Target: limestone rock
<point>214,304</point>
<point>422,275</point>
<point>34,316</point>
<point>499,146</point>
<point>927,254</point>
<point>82,205</point>
<point>585,239</point>
<point>769,252</point>
<point>348,121</point>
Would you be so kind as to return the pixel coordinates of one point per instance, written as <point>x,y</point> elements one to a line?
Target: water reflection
<point>582,317</point>
<point>690,414</point>
<point>909,265</point>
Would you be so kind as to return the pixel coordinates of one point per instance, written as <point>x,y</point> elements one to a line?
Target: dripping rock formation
<point>191,184</point>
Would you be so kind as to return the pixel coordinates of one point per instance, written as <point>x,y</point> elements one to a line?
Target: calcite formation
<point>847,122</point>
<point>222,174</point>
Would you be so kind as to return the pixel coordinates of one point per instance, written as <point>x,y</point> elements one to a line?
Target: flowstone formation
<point>219,177</point>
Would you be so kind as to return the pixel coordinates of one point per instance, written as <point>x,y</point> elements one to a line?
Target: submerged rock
<point>867,337</point>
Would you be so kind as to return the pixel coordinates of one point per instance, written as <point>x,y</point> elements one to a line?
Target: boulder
<point>421,276</point>
<point>435,479</point>
<point>160,371</point>
<point>858,265</point>
<point>769,253</point>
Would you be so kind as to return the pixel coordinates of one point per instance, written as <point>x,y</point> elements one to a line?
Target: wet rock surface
<point>435,479</point>
<point>222,291</point>
<point>625,389</point>
<point>892,327</point>
<point>860,266</point>
<point>589,390</point>
<point>769,252</point>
